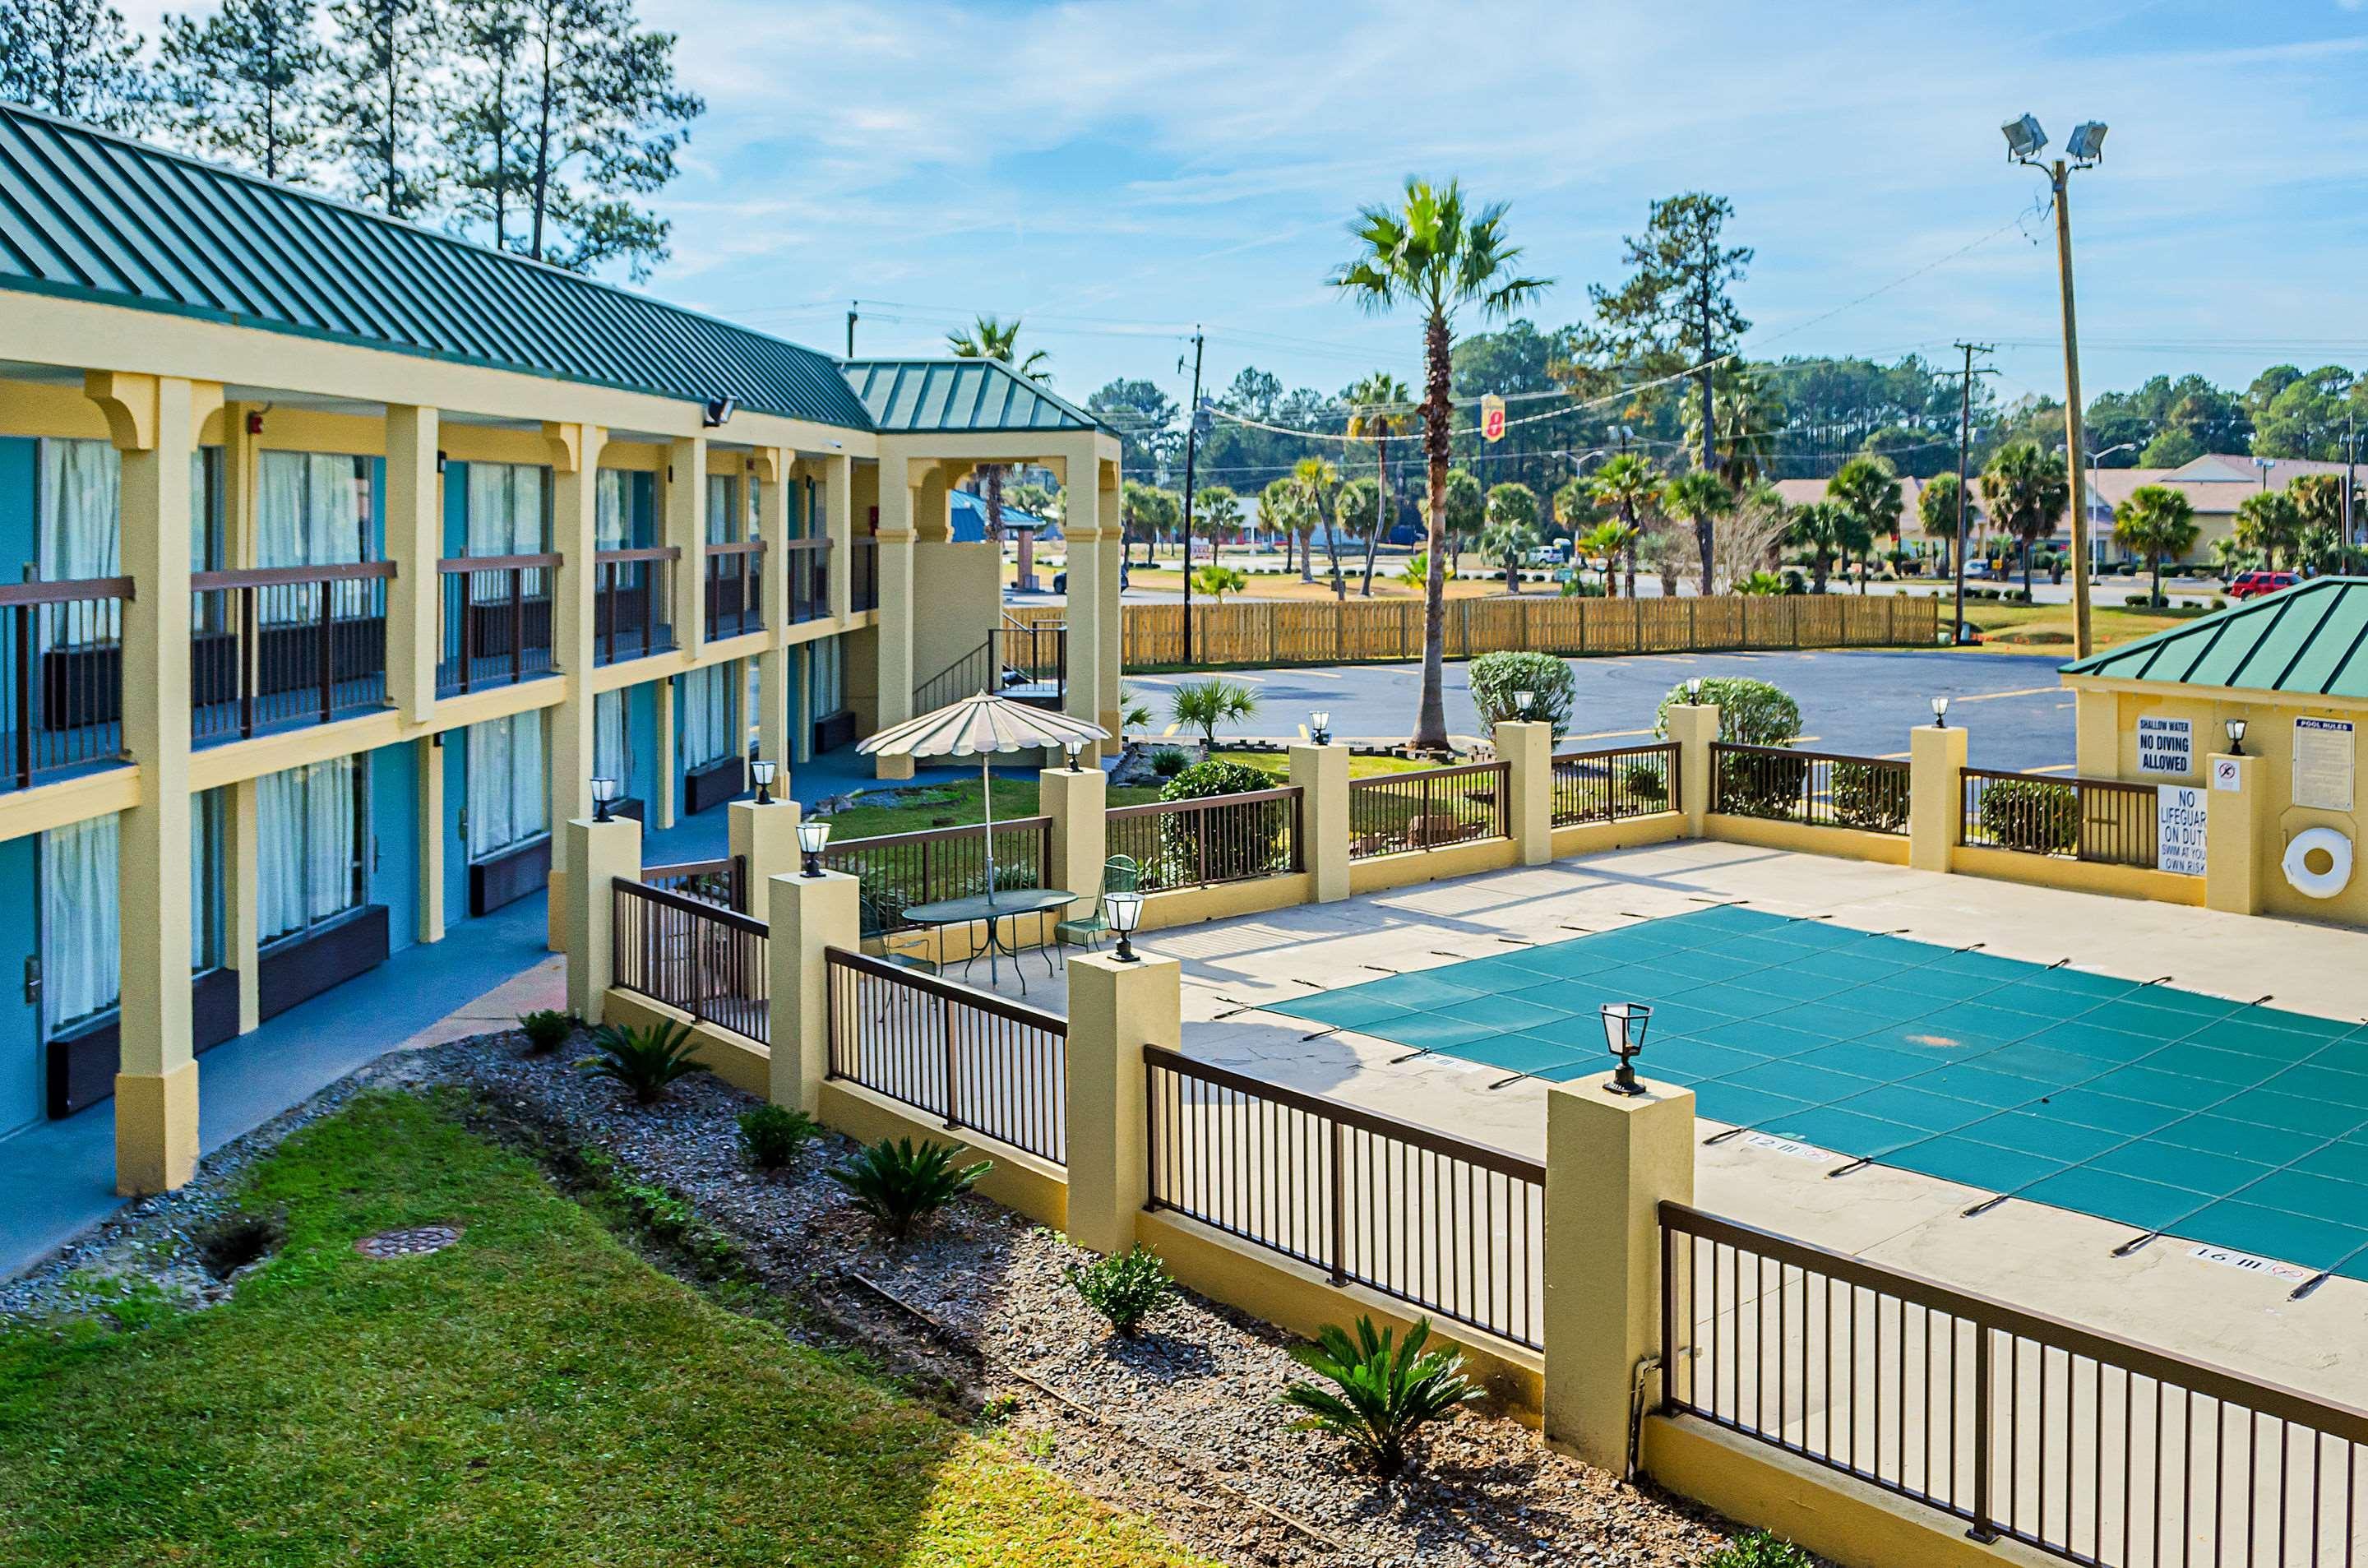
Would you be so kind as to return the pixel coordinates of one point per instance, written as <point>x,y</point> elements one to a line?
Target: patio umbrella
<point>982,726</point>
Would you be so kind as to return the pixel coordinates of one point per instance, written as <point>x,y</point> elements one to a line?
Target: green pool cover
<point>2236,1125</point>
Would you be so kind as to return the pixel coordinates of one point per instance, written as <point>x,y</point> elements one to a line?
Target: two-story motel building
<point>352,552</point>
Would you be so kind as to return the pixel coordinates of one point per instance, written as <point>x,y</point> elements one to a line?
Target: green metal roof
<point>2308,641</point>
<point>88,215</point>
<point>906,396</point>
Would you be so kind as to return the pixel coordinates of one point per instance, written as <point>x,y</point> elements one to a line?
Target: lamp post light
<point>2023,140</point>
<point>1125,911</point>
<point>1940,712</point>
<point>814,837</point>
<point>1624,1036</point>
<point>2236,728</point>
<point>1319,727</point>
<point>604,795</point>
<point>1693,689</point>
<point>2096,545</point>
<point>1522,701</point>
<point>1073,748</point>
<point>762,772</point>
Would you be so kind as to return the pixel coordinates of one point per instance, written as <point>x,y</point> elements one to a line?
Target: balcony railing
<point>863,580</point>
<point>63,682</point>
<point>276,647</point>
<point>494,614</point>
<point>632,604</point>
<point>735,589</point>
<point>809,579</point>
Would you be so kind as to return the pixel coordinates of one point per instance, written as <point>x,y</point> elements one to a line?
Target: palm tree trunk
<point>1628,520</point>
<point>1430,718</point>
<point>1381,496</point>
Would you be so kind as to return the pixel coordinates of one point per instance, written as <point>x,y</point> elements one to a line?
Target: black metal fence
<point>1614,784</point>
<point>1220,838</point>
<point>493,620</point>
<point>61,678</point>
<point>2101,820</point>
<point>1456,1228</point>
<point>900,870</point>
<point>633,602</point>
<point>809,579</point>
<point>708,961</point>
<point>723,882</point>
<point>276,646</point>
<point>736,583</point>
<point>1397,811</point>
<point>1816,788</point>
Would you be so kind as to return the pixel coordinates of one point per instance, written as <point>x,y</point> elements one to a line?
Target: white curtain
<point>282,533</point>
<point>505,508</point>
<point>612,752</point>
<point>508,803</point>
<point>707,715</point>
<point>613,497</point>
<point>304,818</point>
<point>81,960</point>
<point>722,504</point>
<point>311,511</point>
<point>80,527</point>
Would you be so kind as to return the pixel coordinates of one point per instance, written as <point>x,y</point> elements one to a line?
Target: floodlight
<point>719,411</point>
<point>2087,144</point>
<point>2023,137</point>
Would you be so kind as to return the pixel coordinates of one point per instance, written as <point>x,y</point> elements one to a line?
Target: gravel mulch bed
<point>1182,1424</point>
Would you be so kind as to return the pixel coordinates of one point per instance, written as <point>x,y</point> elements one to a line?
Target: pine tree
<point>74,58</point>
<point>384,53</point>
<point>246,86</point>
<point>488,141</point>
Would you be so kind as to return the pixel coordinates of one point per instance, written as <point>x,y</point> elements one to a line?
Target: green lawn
<point>535,1394</point>
<point>1360,765</point>
<point>956,804</point>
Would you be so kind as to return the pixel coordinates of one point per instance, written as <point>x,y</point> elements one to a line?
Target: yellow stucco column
<point>1113,652</point>
<point>764,839</point>
<point>1611,1160</point>
<point>838,525</point>
<point>415,542</point>
<point>669,776</point>
<point>1322,775</point>
<point>427,756</point>
<point>686,529</point>
<point>1081,532</point>
<point>809,916</point>
<point>774,664</point>
<point>575,457</point>
<point>1076,800</point>
<point>897,609</point>
<point>1693,726</point>
<point>1935,759</point>
<point>2234,865</point>
<point>596,854</point>
<point>1115,1009</point>
<point>1528,749</point>
<point>243,899</point>
<point>153,422</point>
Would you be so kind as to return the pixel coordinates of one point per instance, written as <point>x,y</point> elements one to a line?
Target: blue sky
<point>1115,171</point>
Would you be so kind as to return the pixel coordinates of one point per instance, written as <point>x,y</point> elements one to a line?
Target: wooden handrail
<point>1733,749</point>
<point>1206,803</point>
<point>731,919</point>
<point>65,592</point>
<point>951,991</point>
<point>286,576</point>
<point>639,552</point>
<point>452,565</point>
<point>734,547</point>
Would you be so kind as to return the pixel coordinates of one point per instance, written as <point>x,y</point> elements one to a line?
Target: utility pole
<point>2083,644</point>
<point>850,327</point>
<point>1192,452</point>
<point>2350,464</point>
<point>1965,479</point>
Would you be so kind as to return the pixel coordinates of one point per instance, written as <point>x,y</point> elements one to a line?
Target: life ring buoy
<point>2318,884</point>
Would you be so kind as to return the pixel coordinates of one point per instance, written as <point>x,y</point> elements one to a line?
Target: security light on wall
<point>2023,138</point>
<point>720,411</point>
<point>2087,144</point>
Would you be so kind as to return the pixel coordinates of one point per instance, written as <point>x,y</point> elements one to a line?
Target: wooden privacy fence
<point>968,1057</point>
<point>706,959</point>
<point>1278,631</point>
<point>2080,1444</point>
<point>1456,1228</point>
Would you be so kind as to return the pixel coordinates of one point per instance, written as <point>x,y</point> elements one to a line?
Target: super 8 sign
<point>1492,417</point>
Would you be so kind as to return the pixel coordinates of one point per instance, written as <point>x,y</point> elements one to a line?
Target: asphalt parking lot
<point>1858,701</point>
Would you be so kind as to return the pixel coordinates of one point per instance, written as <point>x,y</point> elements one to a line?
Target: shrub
<point>771,1135</point>
<point>2030,814</point>
<point>1757,585</point>
<point>1757,786</point>
<point>1495,676</point>
<point>1757,1549</point>
<point>1124,1289</point>
<point>1750,712</point>
<point>1871,797</point>
<point>900,1184</point>
<point>1205,704</point>
<point>1646,782</point>
<point>1387,1392</point>
<point>644,1060</point>
<point>546,1031</point>
<point>1574,588</point>
<point>1168,762</point>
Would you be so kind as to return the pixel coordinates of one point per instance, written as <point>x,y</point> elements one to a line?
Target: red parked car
<point>2253,585</point>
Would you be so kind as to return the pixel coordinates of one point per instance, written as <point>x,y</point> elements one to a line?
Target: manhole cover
<point>411,1242</point>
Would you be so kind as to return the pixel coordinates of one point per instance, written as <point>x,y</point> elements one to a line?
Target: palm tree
<point>1629,485</point>
<point>2156,521</point>
<point>989,338</point>
<point>1316,478</point>
<point>1936,512</point>
<point>2024,491</point>
<point>2270,525</point>
<point>1868,490</point>
<point>1700,498</point>
<point>1216,511</point>
<point>1467,510</point>
<point>1511,530</point>
<point>1607,541</point>
<point>1433,254</point>
<point>1278,510</point>
<point>1824,529</point>
<point>1379,407</point>
<point>1749,414</point>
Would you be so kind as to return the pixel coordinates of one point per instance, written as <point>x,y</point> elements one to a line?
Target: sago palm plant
<point>1387,1391</point>
<point>903,1183</point>
<point>644,1062</point>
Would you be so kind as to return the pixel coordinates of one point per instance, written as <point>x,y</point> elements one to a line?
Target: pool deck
<point>2043,1259</point>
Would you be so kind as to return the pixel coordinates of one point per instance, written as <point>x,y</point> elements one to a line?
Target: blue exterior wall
<point>641,728</point>
<point>20,1024</point>
<point>395,832</point>
<point>455,762</point>
<point>19,476</point>
<point>456,508</point>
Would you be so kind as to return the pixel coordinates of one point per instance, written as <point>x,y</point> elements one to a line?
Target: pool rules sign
<point>2179,829</point>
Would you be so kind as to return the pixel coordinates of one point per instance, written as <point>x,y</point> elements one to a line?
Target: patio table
<point>992,909</point>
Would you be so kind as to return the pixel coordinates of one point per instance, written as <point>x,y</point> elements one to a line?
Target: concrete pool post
<point>1936,758</point>
<point>764,840</point>
<point>1693,726</point>
<point>1528,749</point>
<point>1611,1160</point>
<point>809,917</point>
<point>597,853</point>
<point>2232,834</point>
<point>1321,773</point>
<point>1115,1008</point>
